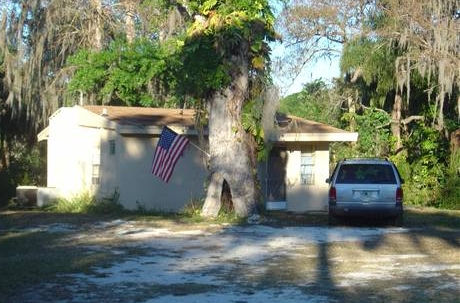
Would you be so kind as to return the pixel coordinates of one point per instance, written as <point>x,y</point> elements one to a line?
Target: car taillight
<point>399,195</point>
<point>332,194</point>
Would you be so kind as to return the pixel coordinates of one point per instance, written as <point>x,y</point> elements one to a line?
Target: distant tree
<point>36,38</point>
<point>370,64</point>
<point>405,49</point>
<point>129,13</point>
<point>428,36</point>
<point>315,102</point>
<point>317,29</point>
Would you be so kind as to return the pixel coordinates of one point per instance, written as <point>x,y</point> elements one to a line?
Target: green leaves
<point>196,64</point>
<point>90,70</point>
<point>252,123</point>
<point>124,72</point>
<point>313,103</point>
<point>208,6</point>
<point>373,60</point>
<point>227,25</point>
<point>374,134</point>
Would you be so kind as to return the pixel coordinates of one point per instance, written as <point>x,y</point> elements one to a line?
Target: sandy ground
<point>256,263</point>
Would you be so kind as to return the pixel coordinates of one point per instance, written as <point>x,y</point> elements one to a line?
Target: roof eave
<point>44,134</point>
<point>156,130</point>
<point>318,137</point>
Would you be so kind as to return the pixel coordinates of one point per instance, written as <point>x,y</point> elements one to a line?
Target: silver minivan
<point>365,187</point>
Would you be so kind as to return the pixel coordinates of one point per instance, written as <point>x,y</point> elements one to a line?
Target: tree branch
<point>411,118</point>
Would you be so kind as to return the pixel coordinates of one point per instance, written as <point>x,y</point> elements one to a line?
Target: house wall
<point>128,172</point>
<point>81,159</point>
<point>71,151</point>
<point>307,197</point>
<point>109,163</point>
<point>302,197</point>
<point>86,155</point>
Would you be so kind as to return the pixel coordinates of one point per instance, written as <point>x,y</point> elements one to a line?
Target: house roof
<point>292,128</point>
<point>146,120</point>
<point>293,124</point>
<point>146,116</point>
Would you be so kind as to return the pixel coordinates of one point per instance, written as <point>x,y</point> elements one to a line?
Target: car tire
<point>332,221</point>
<point>398,221</point>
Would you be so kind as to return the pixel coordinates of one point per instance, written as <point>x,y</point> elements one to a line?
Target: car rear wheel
<point>332,221</point>
<point>398,221</point>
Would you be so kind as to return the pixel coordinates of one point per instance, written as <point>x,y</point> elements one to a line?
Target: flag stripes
<point>167,153</point>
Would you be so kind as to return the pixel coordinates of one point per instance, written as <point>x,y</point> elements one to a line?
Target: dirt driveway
<point>149,261</point>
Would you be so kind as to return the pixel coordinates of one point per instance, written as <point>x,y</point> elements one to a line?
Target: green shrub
<point>26,167</point>
<point>192,209</point>
<point>429,182</point>
<point>226,214</point>
<point>107,205</point>
<point>450,194</point>
<point>86,203</point>
<point>77,204</point>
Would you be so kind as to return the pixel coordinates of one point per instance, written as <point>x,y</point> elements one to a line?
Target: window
<point>96,164</point>
<point>366,174</point>
<point>112,147</point>
<point>95,174</point>
<point>307,163</point>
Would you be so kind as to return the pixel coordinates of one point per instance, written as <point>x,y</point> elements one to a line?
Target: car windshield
<point>366,174</point>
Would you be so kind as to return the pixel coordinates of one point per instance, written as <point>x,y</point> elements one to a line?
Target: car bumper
<point>365,211</point>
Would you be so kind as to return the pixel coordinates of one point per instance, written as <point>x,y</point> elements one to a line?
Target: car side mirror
<point>328,180</point>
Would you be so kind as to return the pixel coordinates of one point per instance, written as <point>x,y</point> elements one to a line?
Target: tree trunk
<point>230,160</point>
<point>396,120</point>
<point>4,154</point>
<point>96,24</point>
<point>129,21</point>
<point>213,200</point>
<point>351,104</point>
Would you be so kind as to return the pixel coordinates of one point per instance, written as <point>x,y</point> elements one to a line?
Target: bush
<point>450,194</point>
<point>26,167</point>
<point>86,203</point>
<point>193,210</point>
<point>430,182</point>
<point>8,187</point>
<point>77,204</point>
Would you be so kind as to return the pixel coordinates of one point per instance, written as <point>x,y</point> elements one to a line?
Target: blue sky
<point>322,68</point>
<point>325,69</point>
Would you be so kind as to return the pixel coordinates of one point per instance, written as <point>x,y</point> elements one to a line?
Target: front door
<point>276,175</point>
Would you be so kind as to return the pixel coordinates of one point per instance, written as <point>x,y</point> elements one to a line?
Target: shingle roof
<point>288,125</point>
<point>147,116</point>
<point>293,124</point>
<point>186,117</point>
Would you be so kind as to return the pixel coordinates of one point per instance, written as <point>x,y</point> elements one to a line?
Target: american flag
<point>168,151</point>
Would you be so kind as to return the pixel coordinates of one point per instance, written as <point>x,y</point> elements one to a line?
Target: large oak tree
<point>225,54</point>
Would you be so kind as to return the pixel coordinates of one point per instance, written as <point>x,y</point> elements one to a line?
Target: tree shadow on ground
<point>424,233</point>
<point>312,268</point>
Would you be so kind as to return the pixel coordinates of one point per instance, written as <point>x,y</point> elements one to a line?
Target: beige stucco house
<point>106,149</point>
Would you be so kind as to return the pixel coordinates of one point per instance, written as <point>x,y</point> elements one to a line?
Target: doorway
<point>275,195</point>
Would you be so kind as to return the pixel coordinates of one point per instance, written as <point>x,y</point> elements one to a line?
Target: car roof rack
<point>367,158</point>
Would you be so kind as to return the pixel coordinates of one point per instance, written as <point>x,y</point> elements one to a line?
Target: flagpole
<point>190,141</point>
<point>199,148</point>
